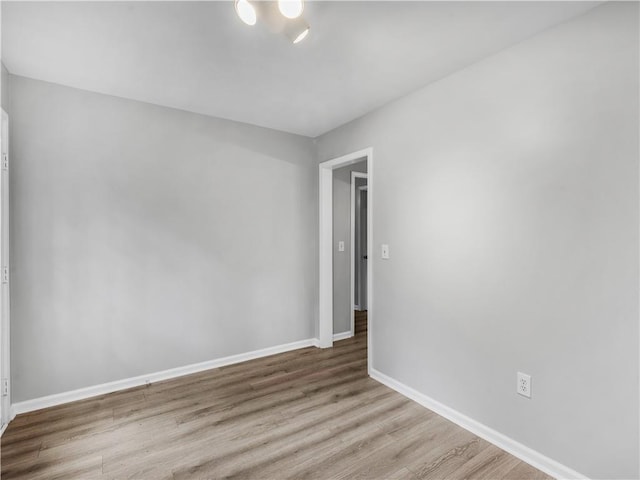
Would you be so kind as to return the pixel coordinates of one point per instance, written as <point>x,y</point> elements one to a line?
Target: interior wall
<point>146,238</point>
<point>4,87</point>
<point>508,194</point>
<point>342,232</point>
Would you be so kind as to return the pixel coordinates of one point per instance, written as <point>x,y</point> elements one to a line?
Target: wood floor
<point>306,414</point>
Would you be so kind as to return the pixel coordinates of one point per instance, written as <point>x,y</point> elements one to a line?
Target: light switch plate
<point>341,246</point>
<point>385,251</point>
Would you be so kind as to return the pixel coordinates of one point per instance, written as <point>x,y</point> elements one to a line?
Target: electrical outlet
<point>524,385</point>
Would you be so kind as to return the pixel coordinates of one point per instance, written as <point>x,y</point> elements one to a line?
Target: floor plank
<point>309,413</point>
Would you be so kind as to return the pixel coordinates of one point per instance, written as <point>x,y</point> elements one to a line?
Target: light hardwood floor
<point>310,413</point>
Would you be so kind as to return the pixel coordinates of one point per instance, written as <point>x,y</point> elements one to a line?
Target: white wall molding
<point>342,335</point>
<point>524,453</point>
<point>95,390</point>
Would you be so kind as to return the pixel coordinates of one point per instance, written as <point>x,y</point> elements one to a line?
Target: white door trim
<point>352,283</point>
<point>325,319</point>
<point>5,324</point>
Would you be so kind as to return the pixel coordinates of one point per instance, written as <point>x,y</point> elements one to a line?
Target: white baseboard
<point>342,335</point>
<point>524,453</point>
<point>88,392</point>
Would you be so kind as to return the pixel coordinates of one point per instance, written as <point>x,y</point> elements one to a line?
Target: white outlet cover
<point>523,386</point>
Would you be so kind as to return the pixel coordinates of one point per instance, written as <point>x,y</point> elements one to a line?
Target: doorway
<point>359,237</point>
<point>325,321</point>
<point>5,414</point>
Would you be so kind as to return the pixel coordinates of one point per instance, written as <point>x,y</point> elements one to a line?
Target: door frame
<point>5,310</point>
<point>325,242</point>
<point>352,284</point>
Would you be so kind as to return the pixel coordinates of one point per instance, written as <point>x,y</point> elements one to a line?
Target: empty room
<point>320,239</point>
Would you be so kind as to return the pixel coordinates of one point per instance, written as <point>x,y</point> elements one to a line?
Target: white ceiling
<point>198,56</point>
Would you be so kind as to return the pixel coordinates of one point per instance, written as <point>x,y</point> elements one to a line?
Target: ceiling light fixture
<point>284,16</point>
<point>301,37</point>
<point>246,12</point>
<point>296,30</point>
<point>291,8</point>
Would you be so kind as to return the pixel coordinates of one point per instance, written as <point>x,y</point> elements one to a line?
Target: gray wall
<point>146,238</point>
<point>4,87</point>
<point>508,193</point>
<point>342,231</point>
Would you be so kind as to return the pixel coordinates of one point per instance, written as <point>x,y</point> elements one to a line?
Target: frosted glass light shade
<point>246,12</point>
<point>291,8</point>
<point>296,30</point>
